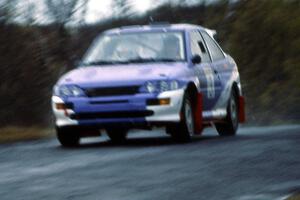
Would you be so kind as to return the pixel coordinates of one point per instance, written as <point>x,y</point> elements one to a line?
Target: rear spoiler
<point>211,32</point>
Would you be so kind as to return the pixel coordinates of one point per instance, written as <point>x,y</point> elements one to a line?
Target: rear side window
<point>198,47</point>
<point>215,51</point>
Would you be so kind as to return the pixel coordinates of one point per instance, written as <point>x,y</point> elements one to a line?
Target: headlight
<point>174,85</point>
<point>68,91</point>
<point>150,87</point>
<point>161,86</point>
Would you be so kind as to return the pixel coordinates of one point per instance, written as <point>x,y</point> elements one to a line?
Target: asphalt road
<point>261,163</point>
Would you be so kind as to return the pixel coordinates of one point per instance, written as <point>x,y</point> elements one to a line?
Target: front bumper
<point>118,110</point>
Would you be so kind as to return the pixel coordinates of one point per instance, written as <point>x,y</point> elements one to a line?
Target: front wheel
<point>67,137</point>
<point>230,126</point>
<point>182,131</point>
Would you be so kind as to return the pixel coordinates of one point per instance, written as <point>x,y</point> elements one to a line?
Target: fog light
<point>164,101</point>
<point>155,102</point>
<point>60,106</point>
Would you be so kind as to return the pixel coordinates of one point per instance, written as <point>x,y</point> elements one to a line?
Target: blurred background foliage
<point>262,35</point>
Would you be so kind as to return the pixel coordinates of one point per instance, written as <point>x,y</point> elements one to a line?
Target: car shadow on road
<point>156,141</point>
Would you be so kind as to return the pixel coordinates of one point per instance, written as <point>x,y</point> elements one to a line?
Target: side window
<point>198,46</point>
<point>215,51</point>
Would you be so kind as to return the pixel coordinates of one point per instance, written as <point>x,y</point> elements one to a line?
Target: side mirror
<point>196,59</point>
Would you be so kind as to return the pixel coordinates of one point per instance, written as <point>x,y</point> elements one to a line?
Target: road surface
<point>261,163</point>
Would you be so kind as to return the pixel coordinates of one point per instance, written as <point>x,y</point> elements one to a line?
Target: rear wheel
<point>182,131</point>
<point>68,137</point>
<point>230,126</point>
<point>117,135</point>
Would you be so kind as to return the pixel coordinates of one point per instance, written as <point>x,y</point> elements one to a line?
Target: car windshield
<point>136,48</point>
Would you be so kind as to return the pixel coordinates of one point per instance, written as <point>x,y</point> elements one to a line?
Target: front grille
<point>110,115</point>
<point>112,91</point>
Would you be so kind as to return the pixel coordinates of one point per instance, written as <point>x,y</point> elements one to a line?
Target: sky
<point>96,9</point>
<point>99,9</point>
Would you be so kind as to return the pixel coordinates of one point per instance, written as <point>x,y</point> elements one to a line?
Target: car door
<point>204,71</point>
<point>219,64</point>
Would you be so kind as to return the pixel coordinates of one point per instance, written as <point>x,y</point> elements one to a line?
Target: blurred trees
<point>6,11</point>
<point>121,8</point>
<point>265,40</point>
<point>61,10</point>
<point>263,36</point>
<point>61,13</point>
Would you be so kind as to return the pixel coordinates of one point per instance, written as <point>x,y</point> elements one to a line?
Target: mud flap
<point>242,113</point>
<point>198,114</point>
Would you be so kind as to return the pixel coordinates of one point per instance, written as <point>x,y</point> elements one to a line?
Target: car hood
<point>123,74</point>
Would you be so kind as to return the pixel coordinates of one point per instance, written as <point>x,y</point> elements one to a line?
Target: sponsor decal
<point>209,74</point>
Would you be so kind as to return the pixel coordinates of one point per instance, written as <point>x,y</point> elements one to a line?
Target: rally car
<point>167,75</point>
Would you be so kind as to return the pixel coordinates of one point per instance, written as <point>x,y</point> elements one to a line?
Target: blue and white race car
<point>175,76</point>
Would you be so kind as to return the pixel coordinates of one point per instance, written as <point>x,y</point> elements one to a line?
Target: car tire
<point>117,136</point>
<point>68,137</point>
<point>229,128</point>
<point>182,131</point>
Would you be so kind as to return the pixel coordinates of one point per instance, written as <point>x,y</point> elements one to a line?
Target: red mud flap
<point>242,113</point>
<point>198,115</point>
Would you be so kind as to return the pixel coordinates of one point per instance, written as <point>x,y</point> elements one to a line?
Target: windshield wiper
<point>97,62</point>
<point>147,60</point>
<point>136,60</point>
<point>104,62</point>
<point>166,60</point>
<point>140,60</point>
